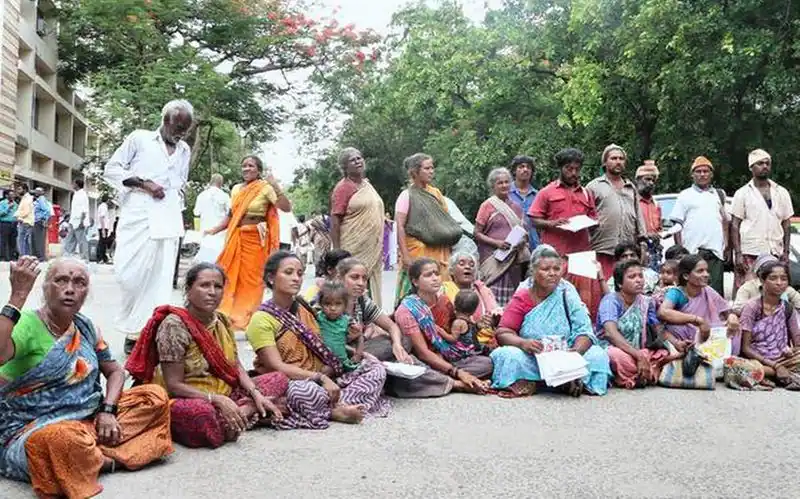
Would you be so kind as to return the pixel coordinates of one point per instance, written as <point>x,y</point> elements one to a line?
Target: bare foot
<point>350,414</point>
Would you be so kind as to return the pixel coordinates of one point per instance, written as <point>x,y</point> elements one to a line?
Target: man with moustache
<point>700,212</point>
<point>646,178</point>
<point>559,201</point>
<point>149,172</point>
<point>617,201</point>
<point>762,212</point>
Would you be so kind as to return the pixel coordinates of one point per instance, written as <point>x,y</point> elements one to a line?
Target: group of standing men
<point>24,219</point>
<point>757,221</point>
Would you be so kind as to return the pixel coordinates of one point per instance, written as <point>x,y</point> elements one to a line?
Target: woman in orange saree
<point>253,234</point>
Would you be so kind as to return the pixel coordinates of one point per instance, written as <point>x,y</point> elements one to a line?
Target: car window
<point>666,205</point>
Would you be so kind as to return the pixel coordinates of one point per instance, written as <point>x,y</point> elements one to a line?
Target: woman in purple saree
<point>692,308</point>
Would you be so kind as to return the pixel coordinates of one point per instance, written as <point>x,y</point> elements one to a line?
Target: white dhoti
<point>144,263</point>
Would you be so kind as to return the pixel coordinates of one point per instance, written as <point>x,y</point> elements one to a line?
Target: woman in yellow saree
<point>253,234</point>
<point>424,226</point>
<point>357,219</point>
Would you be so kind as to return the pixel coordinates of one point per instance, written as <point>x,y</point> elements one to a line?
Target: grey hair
<point>540,253</point>
<point>414,162</point>
<point>458,255</point>
<point>216,178</point>
<point>345,155</point>
<point>177,106</point>
<point>495,174</point>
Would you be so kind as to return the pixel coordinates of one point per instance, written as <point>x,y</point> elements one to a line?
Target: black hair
<point>301,218</point>
<point>521,160</point>
<point>273,262</point>
<point>676,252</point>
<point>194,272</point>
<point>621,269</point>
<point>329,260</point>
<point>768,267</point>
<point>24,187</point>
<point>259,163</point>
<point>332,289</point>
<point>78,182</point>
<point>686,266</point>
<point>670,264</point>
<point>567,156</point>
<point>346,265</point>
<point>415,270</point>
<point>622,247</point>
<point>466,302</point>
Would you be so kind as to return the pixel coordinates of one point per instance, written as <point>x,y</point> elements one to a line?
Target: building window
<point>36,106</point>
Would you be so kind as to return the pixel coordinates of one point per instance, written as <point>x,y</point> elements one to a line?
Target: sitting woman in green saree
<point>59,428</point>
<point>623,321</point>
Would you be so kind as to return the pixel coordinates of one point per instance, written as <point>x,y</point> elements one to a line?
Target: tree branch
<point>275,66</point>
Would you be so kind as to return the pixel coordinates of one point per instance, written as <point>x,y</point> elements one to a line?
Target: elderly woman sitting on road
<point>59,429</point>
<point>463,271</point>
<point>550,308</point>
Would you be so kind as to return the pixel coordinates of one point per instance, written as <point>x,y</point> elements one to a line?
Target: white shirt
<point>212,206</point>
<point>144,154</point>
<point>79,209</point>
<point>761,230</point>
<point>103,220</point>
<point>700,213</point>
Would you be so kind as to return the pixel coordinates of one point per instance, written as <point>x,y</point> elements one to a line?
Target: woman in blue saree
<point>59,430</point>
<point>550,309</point>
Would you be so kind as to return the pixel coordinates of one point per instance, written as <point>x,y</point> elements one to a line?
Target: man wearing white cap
<point>762,212</point>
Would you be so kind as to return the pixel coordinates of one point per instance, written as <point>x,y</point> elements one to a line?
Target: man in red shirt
<point>554,205</point>
<point>646,178</point>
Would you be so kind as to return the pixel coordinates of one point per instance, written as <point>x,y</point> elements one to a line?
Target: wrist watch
<point>108,409</point>
<point>11,313</point>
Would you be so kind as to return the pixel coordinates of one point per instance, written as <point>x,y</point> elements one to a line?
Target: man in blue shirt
<point>8,227</point>
<point>523,193</point>
<point>42,211</point>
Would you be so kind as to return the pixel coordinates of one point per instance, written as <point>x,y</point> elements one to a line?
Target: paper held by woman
<point>406,371</point>
<point>516,236</point>
<point>560,366</point>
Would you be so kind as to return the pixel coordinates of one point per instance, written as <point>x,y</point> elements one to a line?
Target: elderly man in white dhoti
<point>149,172</point>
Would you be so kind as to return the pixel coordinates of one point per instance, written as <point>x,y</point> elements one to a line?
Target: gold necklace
<point>49,325</point>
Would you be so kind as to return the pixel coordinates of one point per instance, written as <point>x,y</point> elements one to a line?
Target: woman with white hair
<point>60,427</point>
<point>357,215</point>
<point>496,218</point>
<point>549,311</point>
<point>464,275</point>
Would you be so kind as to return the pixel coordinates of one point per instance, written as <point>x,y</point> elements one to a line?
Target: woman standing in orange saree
<point>253,234</point>
<point>357,219</point>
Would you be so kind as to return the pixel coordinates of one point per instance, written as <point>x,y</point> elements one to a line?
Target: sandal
<point>523,388</point>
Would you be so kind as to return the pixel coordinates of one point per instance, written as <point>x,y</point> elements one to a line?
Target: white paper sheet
<point>577,223</point>
<point>165,217</point>
<point>559,367</point>
<point>583,264</point>
<point>516,236</point>
<point>407,371</point>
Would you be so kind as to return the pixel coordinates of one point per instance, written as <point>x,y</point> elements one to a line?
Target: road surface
<point>647,443</point>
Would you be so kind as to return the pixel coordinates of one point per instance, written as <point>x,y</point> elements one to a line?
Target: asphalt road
<point>647,443</point>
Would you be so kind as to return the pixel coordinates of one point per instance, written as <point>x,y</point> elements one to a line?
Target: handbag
<point>428,221</point>
<point>672,374</point>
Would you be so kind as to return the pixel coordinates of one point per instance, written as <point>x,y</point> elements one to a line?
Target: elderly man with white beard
<point>149,172</point>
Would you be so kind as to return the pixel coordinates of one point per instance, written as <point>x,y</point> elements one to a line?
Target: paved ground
<point>654,443</point>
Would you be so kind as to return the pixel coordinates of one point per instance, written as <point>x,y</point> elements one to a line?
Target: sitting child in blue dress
<point>334,324</point>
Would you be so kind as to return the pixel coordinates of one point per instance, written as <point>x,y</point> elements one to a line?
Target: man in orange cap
<point>700,211</point>
<point>762,212</point>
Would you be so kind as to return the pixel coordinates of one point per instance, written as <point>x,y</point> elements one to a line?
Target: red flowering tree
<point>135,55</point>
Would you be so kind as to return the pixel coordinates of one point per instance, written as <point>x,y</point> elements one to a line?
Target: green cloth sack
<point>427,220</point>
